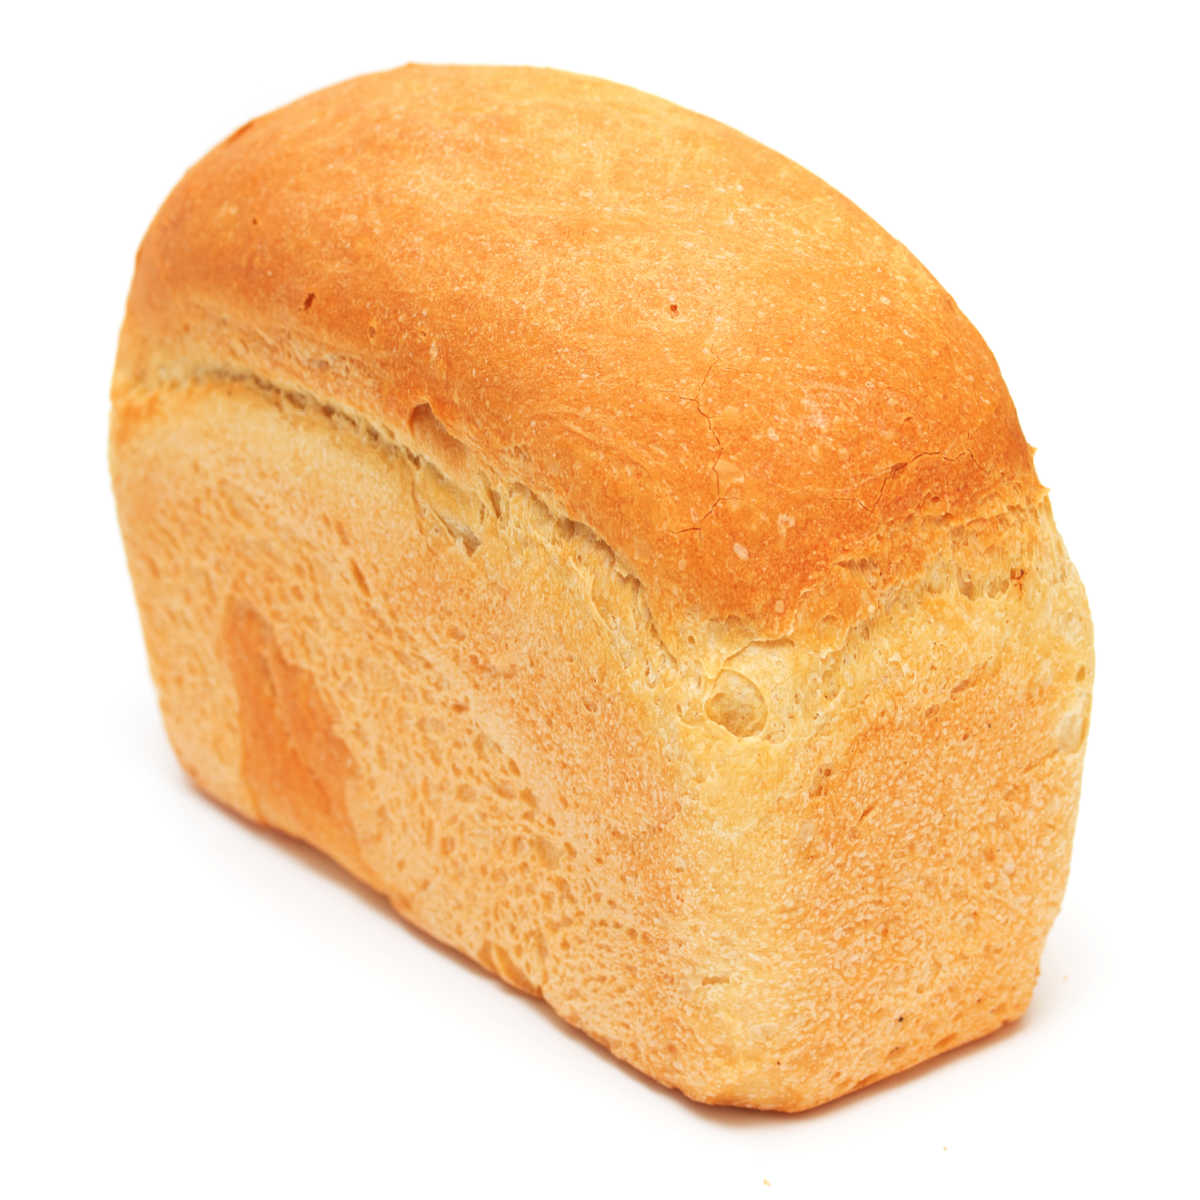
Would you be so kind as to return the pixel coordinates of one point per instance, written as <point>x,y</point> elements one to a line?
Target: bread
<point>603,539</point>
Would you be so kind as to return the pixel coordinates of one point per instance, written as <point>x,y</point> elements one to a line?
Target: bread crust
<point>601,538</point>
<point>670,332</point>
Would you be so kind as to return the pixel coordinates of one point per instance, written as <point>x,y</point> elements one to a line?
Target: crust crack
<point>696,673</point>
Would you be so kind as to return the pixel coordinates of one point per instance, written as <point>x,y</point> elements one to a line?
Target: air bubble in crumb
<point>1071,730</point>
<point>737,704</point>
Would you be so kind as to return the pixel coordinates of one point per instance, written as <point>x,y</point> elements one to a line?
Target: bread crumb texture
<point>601,538</point>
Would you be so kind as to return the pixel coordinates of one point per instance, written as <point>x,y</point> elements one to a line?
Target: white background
<point>191,1007</point>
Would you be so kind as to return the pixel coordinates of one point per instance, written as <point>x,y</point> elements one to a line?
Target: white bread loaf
<point>600,537</point>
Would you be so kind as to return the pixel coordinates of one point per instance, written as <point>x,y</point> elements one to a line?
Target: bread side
<point>418,679</point>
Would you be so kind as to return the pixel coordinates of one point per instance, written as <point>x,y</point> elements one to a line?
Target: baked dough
<point>602,538</point>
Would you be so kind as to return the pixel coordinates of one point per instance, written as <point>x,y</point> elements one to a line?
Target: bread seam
<point>389,443</point>
<point>696,677</point>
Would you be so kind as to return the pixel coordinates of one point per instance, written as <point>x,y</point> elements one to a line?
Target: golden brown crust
<point>671,333</point>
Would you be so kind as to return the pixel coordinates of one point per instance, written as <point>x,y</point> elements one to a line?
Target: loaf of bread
<point>603,539</point>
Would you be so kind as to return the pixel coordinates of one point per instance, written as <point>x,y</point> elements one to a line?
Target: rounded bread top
<point>670,333</point>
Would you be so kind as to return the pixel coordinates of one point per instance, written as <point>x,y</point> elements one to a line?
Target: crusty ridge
<point>720,668</point>
<point>674,335</point>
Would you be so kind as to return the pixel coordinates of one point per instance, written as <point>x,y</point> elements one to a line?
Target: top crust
<point>670,333</point>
